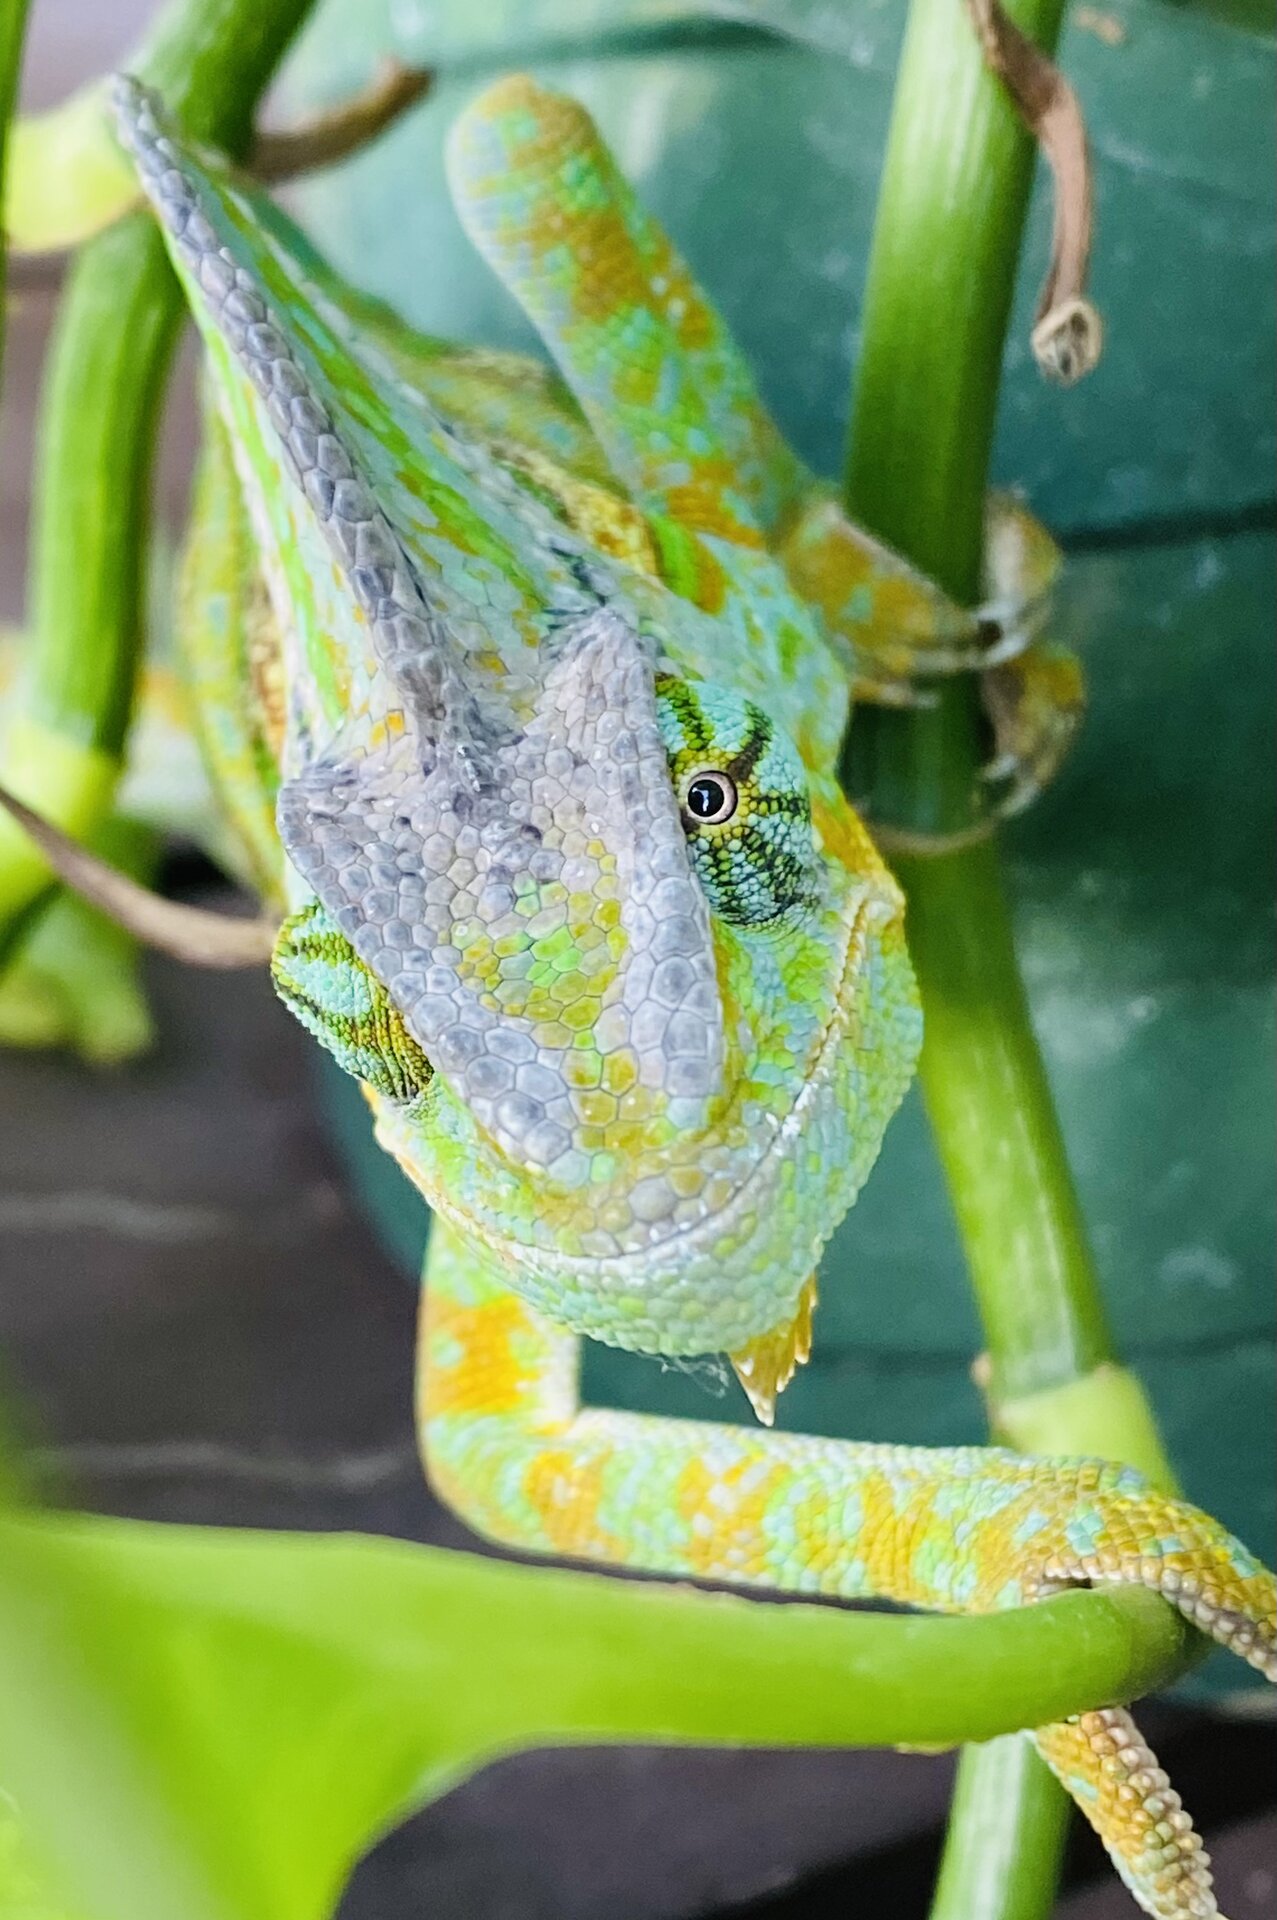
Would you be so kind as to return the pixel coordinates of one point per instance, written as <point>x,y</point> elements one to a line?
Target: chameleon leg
<point>960,1530</point>
<point>895,632</point>
<point>663,384</point>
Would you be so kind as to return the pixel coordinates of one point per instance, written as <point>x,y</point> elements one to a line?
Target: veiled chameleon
<point>552,679</point>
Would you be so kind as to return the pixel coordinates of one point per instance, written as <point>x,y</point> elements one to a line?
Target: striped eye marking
<point>742,792</point>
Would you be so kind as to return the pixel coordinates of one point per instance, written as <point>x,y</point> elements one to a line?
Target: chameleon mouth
<point>789,1126</point>
<point>689,1253</point>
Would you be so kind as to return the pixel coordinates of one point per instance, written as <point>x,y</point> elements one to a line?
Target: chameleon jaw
<point>732,1276</point>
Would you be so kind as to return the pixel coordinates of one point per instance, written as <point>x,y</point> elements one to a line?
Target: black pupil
<point>707,796</point>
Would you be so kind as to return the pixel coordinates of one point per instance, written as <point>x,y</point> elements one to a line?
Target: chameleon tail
<point>962,1529</point>
<point>662,383</point>
<point>677,412</point>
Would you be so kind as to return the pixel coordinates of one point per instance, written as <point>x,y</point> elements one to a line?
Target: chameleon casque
<point>541,685</point>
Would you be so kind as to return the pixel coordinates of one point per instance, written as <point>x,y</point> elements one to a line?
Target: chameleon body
<point>561,673</point>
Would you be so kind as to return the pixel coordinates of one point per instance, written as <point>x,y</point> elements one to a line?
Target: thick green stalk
<point>996,1867</point>
<point>103,389</point>
<point>997,1131</point>
<point>946,244</point>
<point>102,395</point>
<point>212,59</point>
<point>13,26</point>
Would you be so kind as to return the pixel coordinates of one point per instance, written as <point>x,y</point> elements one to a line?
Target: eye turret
<point>742,793</point>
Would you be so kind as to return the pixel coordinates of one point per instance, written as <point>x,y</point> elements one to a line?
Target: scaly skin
<point>576,897</point>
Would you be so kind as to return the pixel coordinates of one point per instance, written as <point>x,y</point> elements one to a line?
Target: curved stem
<point>663,1661</point>
<point>209,58</point>
<point>198,1719</point>
<point>105,382</point>
<point>946,244</point>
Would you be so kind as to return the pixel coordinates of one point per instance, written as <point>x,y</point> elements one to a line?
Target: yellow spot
<point>842,834</point>
<point>620,1071</point>
<point>474,1366</point>
<point>583,1067</point>
<point>566,1490</point>
<point>724,1511</point>
<point>597,1109</point>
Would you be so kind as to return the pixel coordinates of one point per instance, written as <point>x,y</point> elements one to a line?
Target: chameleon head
<point>625,978</point>
<point>673,1037</point>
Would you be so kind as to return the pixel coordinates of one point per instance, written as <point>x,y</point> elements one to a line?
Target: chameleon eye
<point>742,793</point>
<point>709,798</point>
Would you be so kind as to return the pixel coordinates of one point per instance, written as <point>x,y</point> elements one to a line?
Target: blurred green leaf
<point>215,1725</point>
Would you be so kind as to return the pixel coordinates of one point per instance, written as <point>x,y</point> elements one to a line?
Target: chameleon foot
<point>890,626</point>
<point>1035,704</point>
<point>896,631</point>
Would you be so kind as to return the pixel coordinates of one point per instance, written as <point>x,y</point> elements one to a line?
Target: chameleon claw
<point>1021,566</point>
<point>1035,704</point>
<point>191,934</point>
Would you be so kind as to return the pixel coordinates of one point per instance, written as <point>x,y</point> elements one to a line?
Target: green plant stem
<point>212,59</point>
<point>103,390</point>
<point>994,1867</point>
<point>947,236</point>
<point>997,1131</point>
<point>108,364</point>
<point>833,1677</point>
<point>13,27</point>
